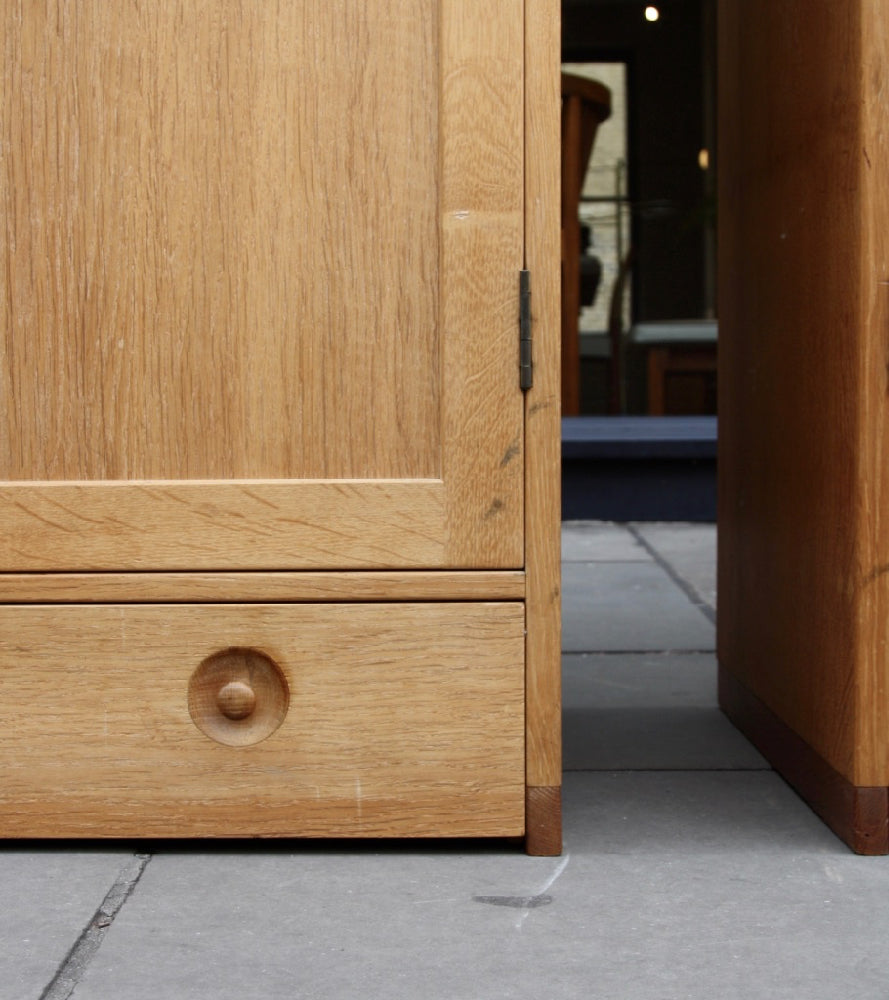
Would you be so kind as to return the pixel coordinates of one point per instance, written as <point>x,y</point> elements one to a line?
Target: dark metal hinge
<point>526,364</point>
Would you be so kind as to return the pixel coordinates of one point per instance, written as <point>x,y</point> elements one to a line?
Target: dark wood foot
<point>858,815</point>
<point>543,821</point>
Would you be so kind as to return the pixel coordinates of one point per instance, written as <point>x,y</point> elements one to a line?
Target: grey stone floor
<point>690,871</point>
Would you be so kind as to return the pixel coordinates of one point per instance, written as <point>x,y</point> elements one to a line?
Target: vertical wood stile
<point>872,767</point>
<point>542,402</point>
<point>482,234</point>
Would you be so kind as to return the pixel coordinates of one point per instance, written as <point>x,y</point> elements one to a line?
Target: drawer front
<point>262,720</point>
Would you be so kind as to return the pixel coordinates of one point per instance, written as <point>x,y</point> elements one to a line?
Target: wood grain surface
<point>873,532</point>
<point>543,821</point>
<point>542,402</point>
<point>403,720</point>
<point>259,398</point>
<point>211,525</point>
<point>202,588</point>
<point>482,233</point>
<point>803,541</point>
<point>238,696</point>
<point>205,207</point>
<point>263,243</point>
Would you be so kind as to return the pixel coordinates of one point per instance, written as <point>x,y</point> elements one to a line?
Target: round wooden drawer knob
<point>236,700</point>
<point>238,696</point>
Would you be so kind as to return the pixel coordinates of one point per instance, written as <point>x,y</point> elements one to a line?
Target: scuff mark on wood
<point>511,452</point>
<point>494,509</point>
<point>543,405</point>
<point>876,573</point>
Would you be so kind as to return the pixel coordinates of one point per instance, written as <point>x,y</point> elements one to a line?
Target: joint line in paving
<point>75,964</point>
<point>639,652</point>
<point>706,609</point>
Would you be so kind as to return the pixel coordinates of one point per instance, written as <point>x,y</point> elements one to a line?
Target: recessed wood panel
<point>221,248</point>
<point>402,719</point>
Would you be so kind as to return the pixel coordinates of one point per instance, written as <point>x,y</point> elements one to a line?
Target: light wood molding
<point>202,588</point>
<point>208,525</point>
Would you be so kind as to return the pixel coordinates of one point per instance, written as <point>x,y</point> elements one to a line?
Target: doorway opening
<point>647,318</point>
<point>644,334</point>
<point>640,687</point>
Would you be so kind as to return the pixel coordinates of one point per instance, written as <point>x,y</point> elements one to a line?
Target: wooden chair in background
<point>617,395</point>
<point>585,105</point>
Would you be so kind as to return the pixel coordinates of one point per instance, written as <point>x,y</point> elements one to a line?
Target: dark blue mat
<point>639,468</point>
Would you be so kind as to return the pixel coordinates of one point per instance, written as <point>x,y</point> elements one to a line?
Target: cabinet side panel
<point>790,344</point>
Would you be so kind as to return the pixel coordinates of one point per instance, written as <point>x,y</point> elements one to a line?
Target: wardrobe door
<point>260,275</point>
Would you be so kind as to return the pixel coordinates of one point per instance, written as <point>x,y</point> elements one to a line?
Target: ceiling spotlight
<point>652,13</point>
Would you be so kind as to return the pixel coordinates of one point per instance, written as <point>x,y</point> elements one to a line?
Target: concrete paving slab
<point>690,550</point>
<point>49,896</point>
<point>357,922</point>
<point>666,815</point>
<point>717,885</point>
<point>630,606</point>
<point>651,711</point>
<point>673,887</point>
<point>597,541</point>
